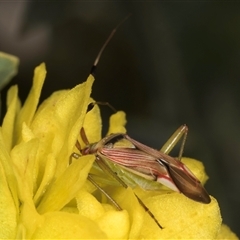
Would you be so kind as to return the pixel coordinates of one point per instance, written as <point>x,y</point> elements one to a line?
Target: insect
<point>142,165</point>
<point>150,164</point>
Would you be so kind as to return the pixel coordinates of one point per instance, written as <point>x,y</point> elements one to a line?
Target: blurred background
<point>170,63</point>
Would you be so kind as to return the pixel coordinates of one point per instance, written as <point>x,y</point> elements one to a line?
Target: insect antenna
<point>93,69</point>
<point>92,104</point>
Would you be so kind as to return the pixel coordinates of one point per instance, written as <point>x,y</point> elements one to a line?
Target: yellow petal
<point>88,205</point>
<point>66,186</point>
<point>8,211</point>
<point>13,106</point>
<point>115,224</point>
<point>226,233</point>
<point>127,200</point>
<point>92,126</point>
<point>181,218</point>
<point>58,122</point>
<point>70,210</point>
<point>197,168</point>
<point>6,163</point>
<point>29,219</point>
<point>47,178</point>
<point>23,160</point>
<point>63,225</point>
<point>27,133</point>
<point>29,108</point>
<point>117,123</point>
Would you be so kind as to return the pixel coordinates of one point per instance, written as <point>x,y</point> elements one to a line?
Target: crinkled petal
<point>181,218</point>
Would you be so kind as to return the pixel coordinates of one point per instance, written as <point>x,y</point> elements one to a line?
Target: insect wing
<point>182,177</point>
<point>139,163</point>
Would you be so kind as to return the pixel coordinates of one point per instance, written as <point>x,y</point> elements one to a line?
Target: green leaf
<point>8,68</point>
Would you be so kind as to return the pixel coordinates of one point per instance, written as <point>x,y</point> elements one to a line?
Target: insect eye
<point>109,145</point>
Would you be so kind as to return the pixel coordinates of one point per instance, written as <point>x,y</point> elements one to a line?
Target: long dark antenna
<point>93,69</point>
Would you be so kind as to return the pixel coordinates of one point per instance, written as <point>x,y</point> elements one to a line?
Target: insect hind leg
<point>104,192</point>
<point>180,133</point>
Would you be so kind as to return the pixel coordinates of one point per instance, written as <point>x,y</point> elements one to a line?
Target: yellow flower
<point>44,192</point>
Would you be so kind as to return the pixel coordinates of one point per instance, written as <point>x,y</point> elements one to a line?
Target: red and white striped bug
<point>136,164</point>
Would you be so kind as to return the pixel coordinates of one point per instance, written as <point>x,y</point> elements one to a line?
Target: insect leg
<point>148,211</point>
<point>181,132</point>
<point>103,192</point>
<point>73,155</point>
<point>84,138</point>
<point>78,146</point>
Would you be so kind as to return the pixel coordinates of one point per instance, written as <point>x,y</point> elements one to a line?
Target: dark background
<point>171,63</point>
